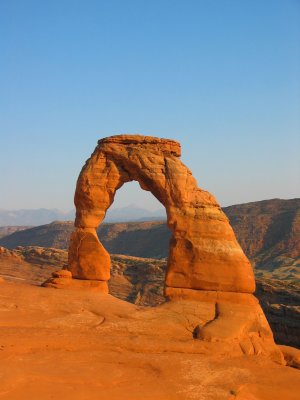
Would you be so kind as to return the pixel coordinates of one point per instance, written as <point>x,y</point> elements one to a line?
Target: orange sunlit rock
<point>204,253</point>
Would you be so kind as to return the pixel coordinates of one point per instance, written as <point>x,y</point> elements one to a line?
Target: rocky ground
<point>31,264</point>
<point>83,345</point>
<point>140,281</point>
<point>61,344</point>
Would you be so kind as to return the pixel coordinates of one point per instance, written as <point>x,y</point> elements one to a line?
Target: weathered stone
<point>62,273</point>
<point>291,356</point>
<point>237,317</point>
<point>77,284</point>
<point>88,259</point>
<point>210,296</point>
<point>205,261</point>
<point>204,253</point>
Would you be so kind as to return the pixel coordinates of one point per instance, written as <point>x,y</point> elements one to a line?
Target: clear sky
<point>220,76</point>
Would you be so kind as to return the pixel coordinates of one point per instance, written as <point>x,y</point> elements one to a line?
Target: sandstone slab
<point>74,345</point>
<point>77,284</point>
<point>62,273</point>
<point>291,356</point>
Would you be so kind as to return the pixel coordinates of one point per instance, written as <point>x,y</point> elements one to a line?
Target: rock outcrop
<point>291,356</point>
<point>204,253</point>
<point>75,345</point>
<point>62,279</point>
<point>205,264</point>
<point>141,280</point>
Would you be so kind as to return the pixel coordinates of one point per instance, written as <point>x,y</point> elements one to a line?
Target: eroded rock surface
<point>74,345</point>
<point>141,280</point>
<point>205,264</point>
<point>204,253</point>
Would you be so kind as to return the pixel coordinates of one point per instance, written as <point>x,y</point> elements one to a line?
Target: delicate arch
<point>204,253</point>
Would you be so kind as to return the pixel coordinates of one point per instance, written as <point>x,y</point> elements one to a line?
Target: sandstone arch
<point>204,253</point>
<point>207,269</point>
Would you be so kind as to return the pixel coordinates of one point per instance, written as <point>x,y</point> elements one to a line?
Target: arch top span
<point>163,145</point>
<point>204,253</point>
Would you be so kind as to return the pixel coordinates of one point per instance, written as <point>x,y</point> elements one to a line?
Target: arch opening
<point>133,203</point>
<point>137,238</point>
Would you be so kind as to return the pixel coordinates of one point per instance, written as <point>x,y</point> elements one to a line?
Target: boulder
<point>62,273</point>
<point>77,284</point>
<point>291,356</point>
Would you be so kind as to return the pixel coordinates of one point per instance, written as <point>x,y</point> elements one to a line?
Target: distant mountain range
<point>43,216</point>
<point>133,213</point>
<point>33,217</point>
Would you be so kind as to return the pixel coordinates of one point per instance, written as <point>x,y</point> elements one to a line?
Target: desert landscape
<point>64,336</point>
<point>149,200</point>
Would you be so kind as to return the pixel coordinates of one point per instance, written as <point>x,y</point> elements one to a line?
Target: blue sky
<point>222,77</point>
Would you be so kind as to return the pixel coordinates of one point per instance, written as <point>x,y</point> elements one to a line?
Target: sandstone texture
<point>75,345</point>
<point>291,356</point>
<point>66,282</point>
<point>141,281</point>
<point>204,253</point>
<point>205,263</point>
<point>62,273</point>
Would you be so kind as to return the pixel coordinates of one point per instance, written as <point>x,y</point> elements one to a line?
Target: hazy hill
<point>56,235</point>
<point>139,239</point>
<point>33,217</point>
<point>269,225</point>
<point>8,230</point>
<point>269,233</point>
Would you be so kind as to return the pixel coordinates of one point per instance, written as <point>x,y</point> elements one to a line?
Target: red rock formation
<point>205,262</point>
<point>204,253</point>
<point>62,279</point>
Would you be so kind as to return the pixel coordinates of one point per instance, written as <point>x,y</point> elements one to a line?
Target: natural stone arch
<point>204,253</point>
<point>205,263</point>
